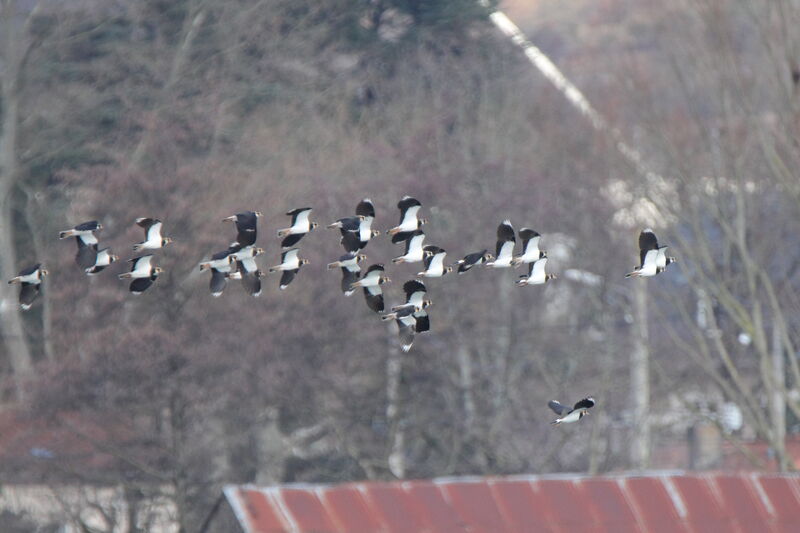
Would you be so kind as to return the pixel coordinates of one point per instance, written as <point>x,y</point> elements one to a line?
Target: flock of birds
<point>238,262</point>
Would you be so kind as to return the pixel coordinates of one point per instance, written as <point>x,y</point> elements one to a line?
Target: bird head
<point>384,279</point>
<point>375,232</point>
<point>258,213</point>
<point>422,221</point>
<point>166,240</point>
<point>360,217</point>
<point>361,257</point>
<point>542,254</point>
<point>448,269</point>
<point>550,276</point>
<point>158,270</point>
<point>488,256</point>
<point>258,251</point>
<point>304,261</point>
<point>314,225</point>
<point>671,260</point>
<point>426,302</point>
<point>112,258</point>
<point>43,272</point>
<point>99,226</point>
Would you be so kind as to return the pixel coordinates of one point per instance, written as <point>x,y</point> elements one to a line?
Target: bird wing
<point>409,213</point>
<point>351,241</point>
<point>145,222</point>
<point>86,255</point>
<point>423,321</point>
<point>28,293</point>
<point>536,270</point>
<point>505,249</point>
<point>647,241</point>
<point>374,298</point>
<point>661,258</point>
<point>365,208</point>
<point>287,277</point>
<point>248,264</point>
<point>505,231</point>
<point>586,403</point>
<point>30,270</point>
<point>153,233</point>
<point>291,240</point>
<point>415,290</point>
<point>377,268</point>
<point>557,407</point>
<point>437,261</point>
<point>252,283</point>
<point>217,283</point>
<point>530,242</point>
<point>406,333</point>
<point>300,214</point>
<point>91,225</point>
<point>649,257</point>
<point>139,285</point>
<point>348,278</point>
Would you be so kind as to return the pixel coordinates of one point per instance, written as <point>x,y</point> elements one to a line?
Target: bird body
<point>371,283</point>
<point>567,415</point>
<point>223,261</point>
<point>290,266</point>
<point>299,227</point>
<point>505,246</point>
<point>653,258</point>
<point>414,251</point>
<point>103,259</point>
<point>84,231</point>
<point>141,267</point>
<point>152,235</point>
<point>347,260</point>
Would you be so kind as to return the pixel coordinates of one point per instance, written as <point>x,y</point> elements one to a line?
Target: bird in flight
<point>567,415</point>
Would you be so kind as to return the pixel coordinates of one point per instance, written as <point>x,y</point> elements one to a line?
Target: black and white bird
<point>152,235</point>
<point>530,248</point>
<point>653,258</point>
<point>366,209</point>
<point>371,283</point>
<point>299,227</point>
<point>143,273</point>
<point>290,266</point>
<point>103,258</point>
<point>223,266</point>
<point>504,253</point>
<point>434,263</point>
<point>86,240</point>
<point>84,231</point>
<point>536,274</point>
<point>246,227</point>
<point>471,260</point>
<point>248,269</point>
<point>409,221</point>
<point>414,251</point>
<point>30,280</point>
<point>417,295</point>
<point>406,323</point>
<point>567,415</point>
<point>346,260</point>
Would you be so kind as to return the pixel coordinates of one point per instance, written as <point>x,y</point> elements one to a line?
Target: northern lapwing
<point>142,268</point>
<point>653,259</point>
<point>409,221</point>
<point>417,295</point>
<point>299,227</point>
<point>246,227</point>
<point>346,260</point>
<point>30,280</point>
<point>103,258</point>
<point>152,235</point>
<point>434,263</point>
<point>504,253</point>
<point>84,231</point>
<point>248,269</point>
<point>290,266</point>
<point>471,260</point>
<point>567,415</point>
<point>530,248</point>
<point>536,274</point>
<point>414,251</point>
<point>371,283</point>
<point>223,267</point>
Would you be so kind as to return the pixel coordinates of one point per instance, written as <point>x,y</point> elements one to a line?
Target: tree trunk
<point>777,404</point>
<point>394,372</point>
<point>14,339</point>
<point>640,380</point>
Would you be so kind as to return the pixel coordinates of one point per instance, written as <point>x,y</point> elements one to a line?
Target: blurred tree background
<point>192,110</point>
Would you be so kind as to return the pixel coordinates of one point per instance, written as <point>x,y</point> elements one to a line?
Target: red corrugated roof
<point>667,502</point>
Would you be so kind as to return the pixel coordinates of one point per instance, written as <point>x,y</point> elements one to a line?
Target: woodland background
<point>192,110</point>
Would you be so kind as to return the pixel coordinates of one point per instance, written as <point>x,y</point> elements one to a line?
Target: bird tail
<point>388,316</point>
<point>393,231</point>
<point>634,274</point>
<point>557,421</point>
<point>515,262</point>
<point>283,232</point>
<point>137,247</point>
<point>273,269</point>
<point>14,280</point>
<point>334,225</point>
<point>65,234</point>
<point>355,284</point>
<point>25,307</point>
<point>522,281</point>
<point>125,275</point>
<point>400,259</point>
<point>204,266</point>
<point>333,265</point>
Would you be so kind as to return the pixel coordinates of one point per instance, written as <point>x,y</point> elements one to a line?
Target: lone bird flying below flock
<point>299,227</point>
<point>505,246</point>
<point>142,272</point>
<point>578,411</point>
<point>414,251</point>
<point>246,227</point>
<point>290,266</point>
<point>653,257</point>
<point>536,274</point>
<point>406,322</point>
<point>471,260</point>
<point>371,283</point>
<point>30,280</point>
<point>434,263</point>
<point>152,235</point>
<point>530,248</point>
<point>223,267</point>
<point>409,221</point>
